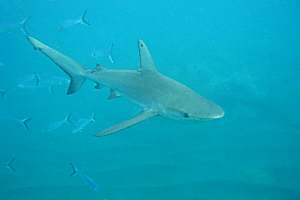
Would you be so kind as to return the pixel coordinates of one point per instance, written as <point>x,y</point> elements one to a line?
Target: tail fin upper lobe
<point>73,69</point>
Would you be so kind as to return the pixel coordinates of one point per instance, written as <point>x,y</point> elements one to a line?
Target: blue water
<point>243,55</point>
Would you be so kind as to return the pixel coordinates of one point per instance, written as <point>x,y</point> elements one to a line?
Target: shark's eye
<point>142,45</point>
<point>177,113</point>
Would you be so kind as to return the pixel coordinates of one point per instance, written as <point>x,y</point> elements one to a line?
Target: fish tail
<point>23,25</point>
<point>83,19</point>
<point>74,70</point>
<point>75,171</point>
<point>93,118</point>
<point>25,122</point>
<point>68,118</point>
<point>10,163</point>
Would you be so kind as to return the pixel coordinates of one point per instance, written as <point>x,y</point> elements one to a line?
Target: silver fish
<point>58,124</point>
<point>85,178</point>
<point>82,20</point>
<point>24,122</point>
<point>82,123</point>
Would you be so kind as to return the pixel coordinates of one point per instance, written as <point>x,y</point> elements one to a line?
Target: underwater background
<point>243,55</point>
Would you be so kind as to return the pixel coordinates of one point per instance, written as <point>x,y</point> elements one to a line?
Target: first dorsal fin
<point>146,61</point>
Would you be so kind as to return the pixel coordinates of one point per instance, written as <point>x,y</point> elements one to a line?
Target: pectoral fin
<point>128,123</point>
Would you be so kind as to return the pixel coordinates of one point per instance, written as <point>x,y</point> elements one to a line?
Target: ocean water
<point>243,55</point>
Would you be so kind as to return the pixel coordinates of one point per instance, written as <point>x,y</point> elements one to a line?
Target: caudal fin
<point>83,19</point>
<point>9,164</point>
<point>68,118</point>
<point>25,122</point>
<point>75,170</point>
<point>73,69</point>
<point>37,79</point>
<point>23,25</point>
<point>93,118</point>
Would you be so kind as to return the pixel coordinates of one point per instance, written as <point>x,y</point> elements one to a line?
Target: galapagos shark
<point>158,94</point>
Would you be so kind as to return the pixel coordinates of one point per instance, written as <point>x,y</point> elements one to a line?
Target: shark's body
<point>156,93</point>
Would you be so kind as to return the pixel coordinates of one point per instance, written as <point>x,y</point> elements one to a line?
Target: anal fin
<point>128,123</point>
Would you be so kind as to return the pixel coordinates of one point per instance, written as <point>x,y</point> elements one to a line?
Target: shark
<point>157,94</point>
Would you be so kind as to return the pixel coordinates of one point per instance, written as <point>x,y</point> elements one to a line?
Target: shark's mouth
<point>221,115</point>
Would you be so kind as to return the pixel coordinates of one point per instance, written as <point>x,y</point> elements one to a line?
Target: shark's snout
<point>218,113</point>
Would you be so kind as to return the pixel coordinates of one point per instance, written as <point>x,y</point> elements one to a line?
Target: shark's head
<point>209,111</point>
<point>191,106</point>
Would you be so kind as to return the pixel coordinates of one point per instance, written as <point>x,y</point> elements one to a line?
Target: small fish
<point>82,20</point>
<point>85,178</point>
<point>37,81</point>
<point>9,164</point>
<point>24,122</point>
<point>100,54</point>
<point>58,124</point>
<point>10,27</point>
<point>30,82</point>
<point>89,182</point>
<point>82,123</point>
